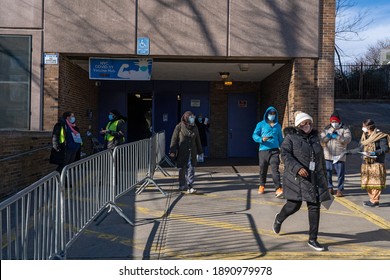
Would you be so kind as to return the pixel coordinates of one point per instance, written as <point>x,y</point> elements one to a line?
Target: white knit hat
<point>300,117</point>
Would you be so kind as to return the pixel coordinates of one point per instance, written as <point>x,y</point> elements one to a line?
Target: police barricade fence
<point>135,164</point>
<point>153,157</point>
<point>160,146</point>
<point>131,165</point>
<point>160,153</point>
<point>87,187</point>
<point>31,223</point>
<point>43,220</point>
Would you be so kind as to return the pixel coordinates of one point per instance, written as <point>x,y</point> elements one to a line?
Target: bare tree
<point>373,53</point>
<point>349,27</point>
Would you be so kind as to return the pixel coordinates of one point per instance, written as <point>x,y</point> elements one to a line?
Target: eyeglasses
<point>305,123</point>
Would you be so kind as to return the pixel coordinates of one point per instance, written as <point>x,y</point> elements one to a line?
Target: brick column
<point>50,96</point>
<point>326,62</point>
<point>303,94</point>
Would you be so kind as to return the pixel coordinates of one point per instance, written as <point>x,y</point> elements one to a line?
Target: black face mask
<point>306,128</point>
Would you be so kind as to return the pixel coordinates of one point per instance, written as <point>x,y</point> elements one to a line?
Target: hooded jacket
<point>297,151</point>
<point>264,129</point>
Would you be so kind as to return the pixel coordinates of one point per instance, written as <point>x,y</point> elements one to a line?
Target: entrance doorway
<point>139,115</point>
<point>241,123</point>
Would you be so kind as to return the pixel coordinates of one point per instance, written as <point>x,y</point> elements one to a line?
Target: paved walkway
<point>227,219</point>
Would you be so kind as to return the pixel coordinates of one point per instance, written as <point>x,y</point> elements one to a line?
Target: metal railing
<point>155,158</point>
<point>31,223</point>
<point>26,153</point>
<point>359,81</point>
<point>87,189</point>
<point>43,220</point>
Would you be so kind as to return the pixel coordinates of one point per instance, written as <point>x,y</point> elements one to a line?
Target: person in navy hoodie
<point>268,133</point>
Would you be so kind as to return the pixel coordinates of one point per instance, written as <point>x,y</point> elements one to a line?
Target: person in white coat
<point>335,138</point>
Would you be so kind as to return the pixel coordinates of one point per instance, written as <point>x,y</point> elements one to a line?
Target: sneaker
<point>370,204</point>
<point>277,225</point>
<point>191,190</point>
<point>315,245</point>
<point>279,192</point>
<point>339,193</point>
<point>261,189</point>
<point>331,191</point>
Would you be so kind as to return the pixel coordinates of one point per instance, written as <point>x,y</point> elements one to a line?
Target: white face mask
<point>191,120</point>
<point>335,125</point>
<point>365,130</point>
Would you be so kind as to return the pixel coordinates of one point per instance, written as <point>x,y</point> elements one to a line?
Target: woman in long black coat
<point>304,177</point>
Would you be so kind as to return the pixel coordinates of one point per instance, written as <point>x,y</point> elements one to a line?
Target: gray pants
<point>269,158</point>
<point>186,176</point>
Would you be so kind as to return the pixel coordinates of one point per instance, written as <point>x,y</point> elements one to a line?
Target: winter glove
<point>329,136</point>
<point>334,135</point>
<point>372,154</point>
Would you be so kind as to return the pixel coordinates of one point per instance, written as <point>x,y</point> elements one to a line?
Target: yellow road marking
<point>326,255</point>
<point>362,212</point>
<point>234,227</point>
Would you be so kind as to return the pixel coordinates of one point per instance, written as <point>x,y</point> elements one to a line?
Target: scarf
<point>369,143</point>
<point>373,137</point>
<point>71,125</point>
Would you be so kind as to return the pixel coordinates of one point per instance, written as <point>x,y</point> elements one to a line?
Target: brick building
<point>277,53</point>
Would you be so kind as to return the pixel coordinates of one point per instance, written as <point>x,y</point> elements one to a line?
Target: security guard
<point>115,131</point>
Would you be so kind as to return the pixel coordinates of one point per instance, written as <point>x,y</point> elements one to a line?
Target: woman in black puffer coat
<point>304,177</point>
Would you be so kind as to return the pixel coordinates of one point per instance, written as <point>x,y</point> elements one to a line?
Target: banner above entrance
<point>120,69</point>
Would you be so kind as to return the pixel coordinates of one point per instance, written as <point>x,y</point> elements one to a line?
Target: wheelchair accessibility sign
<point>143,46</point>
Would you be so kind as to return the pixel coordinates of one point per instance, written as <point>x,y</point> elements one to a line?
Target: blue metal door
<point>241,124</point>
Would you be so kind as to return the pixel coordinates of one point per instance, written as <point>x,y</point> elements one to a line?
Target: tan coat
<point>334,147</point>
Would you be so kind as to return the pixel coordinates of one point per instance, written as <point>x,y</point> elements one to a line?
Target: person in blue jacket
<point>268,133</point>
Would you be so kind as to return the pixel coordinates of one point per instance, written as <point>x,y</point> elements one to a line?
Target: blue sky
<point>378,11</point>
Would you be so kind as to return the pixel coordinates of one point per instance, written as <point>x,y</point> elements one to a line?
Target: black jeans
<point>293,206</point>
<point>269,158</point>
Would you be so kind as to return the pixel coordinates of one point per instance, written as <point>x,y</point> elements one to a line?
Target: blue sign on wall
<point>120,69</point>
<point>143,46</point>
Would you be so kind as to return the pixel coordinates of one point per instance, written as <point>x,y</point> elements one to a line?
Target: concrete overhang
<point>205,69</point>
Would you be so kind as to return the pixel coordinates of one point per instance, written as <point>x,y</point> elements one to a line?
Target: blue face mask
<point>271,117</point>
<point>72,119</point>
<point>200,120</point>
<point>110,117</point>
<point>191,120</point>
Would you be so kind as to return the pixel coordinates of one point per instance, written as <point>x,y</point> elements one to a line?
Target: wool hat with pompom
<point>300,117</point>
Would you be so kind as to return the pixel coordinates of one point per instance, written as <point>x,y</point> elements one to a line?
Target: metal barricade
<point>88,188</point>
<point>43,220</point>
<point>160,153</point>
<point>31,223</point>
<point>148,180</point>
<point>131,165</point>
